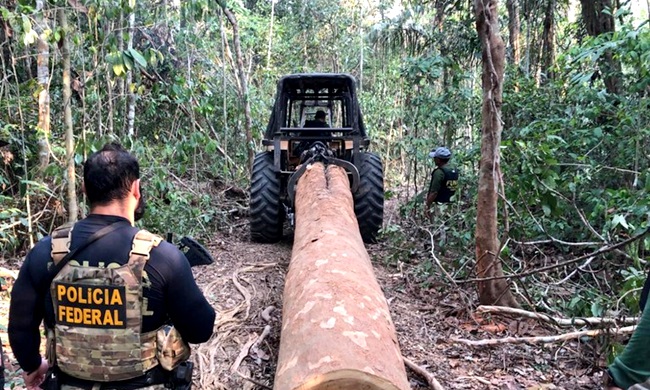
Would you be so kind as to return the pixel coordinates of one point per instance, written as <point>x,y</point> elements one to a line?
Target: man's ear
<point>135,188</point>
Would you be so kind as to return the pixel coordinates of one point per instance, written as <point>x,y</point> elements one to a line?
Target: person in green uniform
<point>631,369</point>
<point>444,179</point>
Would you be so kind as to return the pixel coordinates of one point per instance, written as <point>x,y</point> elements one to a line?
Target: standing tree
<point>598,17</point>
<point>514,28</point>
<point>130,88</point>
<point>548,39</point>
<point>494,291</point>
<point>73,207</point>
<point>43,77</point>
<point>243,82</point>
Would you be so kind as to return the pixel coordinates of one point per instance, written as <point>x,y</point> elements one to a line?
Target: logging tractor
<point>315,118</point>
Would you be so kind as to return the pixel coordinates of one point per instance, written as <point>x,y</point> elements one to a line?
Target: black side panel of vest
<point>2,367</point>
<point>644,293</point>
<point>445,194</point>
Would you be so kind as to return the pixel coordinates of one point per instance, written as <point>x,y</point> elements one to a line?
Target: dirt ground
<point>245,286</point>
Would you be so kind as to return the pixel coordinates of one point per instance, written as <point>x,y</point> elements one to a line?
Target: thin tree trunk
<point>130,109</point>
<point>548,39</point>
<point>598,21</point>
<point>361,59</point>
<point>73,207</point>
<point>120,46</point>
<point>224,108</point>
<point>109,98</point>
<point>514,28</point>
<point>268,53</point>
<point>243,83</point>
<point>100,123</point>
<point>488,263</point>
<point>440,15</point>
<point>43,77</point>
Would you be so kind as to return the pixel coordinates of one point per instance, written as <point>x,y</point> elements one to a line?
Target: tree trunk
<point>224,84</point>
<point>43,77</point>
<point>243,83</point>
<point>599,22</point>
<point>268,53</point>
<point>514,29</point>
<point>488,263</point>
<point>73,207</point>
<point>130,88</point>
<point>548,39</point>
<point>337,332</point>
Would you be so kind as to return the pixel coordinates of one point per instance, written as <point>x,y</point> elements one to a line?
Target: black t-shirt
<point>171,296</point>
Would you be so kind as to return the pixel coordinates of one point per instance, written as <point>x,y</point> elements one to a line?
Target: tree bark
<point>130,88</point>
<point>337,332</point>
<point>491,292</point>
<point>243,83</point>
<point>73,208</point>
<point>548,39</point>
<point>43,77</point>
<point>598,22</point>
<point>268,53</point>
<point>514,29</point>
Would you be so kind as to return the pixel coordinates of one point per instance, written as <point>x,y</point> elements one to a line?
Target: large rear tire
<point>266,211</point>
<point>369,197</point>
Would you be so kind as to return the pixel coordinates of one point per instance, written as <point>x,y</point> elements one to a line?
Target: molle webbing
<point>61,238</point>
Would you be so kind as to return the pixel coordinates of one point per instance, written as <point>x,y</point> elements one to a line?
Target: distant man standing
<point>444,179</point>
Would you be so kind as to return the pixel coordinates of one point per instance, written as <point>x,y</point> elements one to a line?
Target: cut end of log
<point>347,380</point>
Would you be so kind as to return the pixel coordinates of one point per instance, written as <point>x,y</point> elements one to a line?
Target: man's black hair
<point>320,114</point>
<point>109,173</point>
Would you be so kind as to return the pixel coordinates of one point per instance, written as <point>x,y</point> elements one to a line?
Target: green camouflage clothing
<point>632,368</point>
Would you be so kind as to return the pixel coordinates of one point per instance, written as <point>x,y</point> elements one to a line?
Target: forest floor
<point>245,286</point>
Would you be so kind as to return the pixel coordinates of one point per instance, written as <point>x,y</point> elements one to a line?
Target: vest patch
<point>90,306</point>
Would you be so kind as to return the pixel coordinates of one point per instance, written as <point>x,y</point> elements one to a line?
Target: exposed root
<point>228,324</point>
<point>431,380</point>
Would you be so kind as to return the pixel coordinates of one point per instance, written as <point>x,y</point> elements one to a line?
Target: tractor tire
<point>266,210</point>
<point>369,197</point>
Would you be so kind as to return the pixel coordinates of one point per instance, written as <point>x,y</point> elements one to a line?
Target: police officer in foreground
<point>119,304</point>
<point>444,179</point>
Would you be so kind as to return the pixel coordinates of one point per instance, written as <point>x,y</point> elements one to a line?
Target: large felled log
<point>337,332</point>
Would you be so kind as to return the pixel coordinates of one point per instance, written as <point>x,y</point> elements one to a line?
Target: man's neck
<point>118,209</point>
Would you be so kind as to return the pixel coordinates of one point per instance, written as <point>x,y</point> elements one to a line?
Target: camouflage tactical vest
<point>98,314</point>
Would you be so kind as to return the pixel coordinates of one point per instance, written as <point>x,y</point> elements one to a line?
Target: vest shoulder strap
<point>143,242</point>
<point>61,238</point>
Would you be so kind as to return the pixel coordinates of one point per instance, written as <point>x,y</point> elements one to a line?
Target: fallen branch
<point>253,381</point>
<point>547,339</point>
<point>254,350</point>
<point>476,378</point>
<point>243,353</point>
<point>431,380</point>
<point>593,321</point>
<point>600,251</point>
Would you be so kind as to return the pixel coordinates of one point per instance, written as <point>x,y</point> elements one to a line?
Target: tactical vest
<point>449,185</point>
<point>98,314</point>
